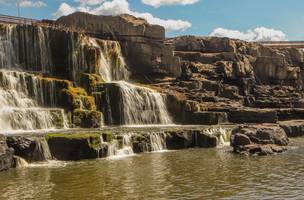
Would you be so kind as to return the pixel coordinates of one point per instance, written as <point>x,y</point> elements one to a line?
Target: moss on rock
<point>87,119</point>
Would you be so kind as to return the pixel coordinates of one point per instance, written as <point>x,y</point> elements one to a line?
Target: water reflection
<point>190,174</point>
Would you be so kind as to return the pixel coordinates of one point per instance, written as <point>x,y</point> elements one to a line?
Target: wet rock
<point>293,128</point>
<point>205,140</point>
<point>6,155</point>
<point>32,149</point>
<point>259,139</point>
<point>77,146</point>
<point>179,140</point>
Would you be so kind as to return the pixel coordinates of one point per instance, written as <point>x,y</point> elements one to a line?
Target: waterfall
<point>222,134</point>
<point>20,93</point>
<point>42,150</point>
<point>118,149</point>
<point>20,162</point>
<point>102,57</point>
<point>25,47</point>
<point>111,65</point>
<point>158,141</point>
<point>128,104</point>
<point>143,106</point>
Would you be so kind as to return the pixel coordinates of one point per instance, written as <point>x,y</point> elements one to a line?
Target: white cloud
<point>32,4</point>
<point>158,3</point>
<point>64,9</point>
<point>89,2</point>
<point>258,34</point>
<point>117,7</point>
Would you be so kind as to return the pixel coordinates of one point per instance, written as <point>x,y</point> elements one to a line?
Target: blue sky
<point>281,19</point>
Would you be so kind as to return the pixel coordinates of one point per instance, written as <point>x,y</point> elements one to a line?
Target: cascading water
<point>222,134</point>
<point>141,106</point>
<point>20,112</point>
<point>118,149</point>
<point>25,47</point>
<point>158,141</point>
<point>69,54</point>
<point>138,105</point>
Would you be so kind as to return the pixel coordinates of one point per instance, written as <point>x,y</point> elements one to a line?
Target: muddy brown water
<point>186,174</point>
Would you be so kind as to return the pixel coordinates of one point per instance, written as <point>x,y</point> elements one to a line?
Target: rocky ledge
<point>88,144</point>
<point>259,139</point>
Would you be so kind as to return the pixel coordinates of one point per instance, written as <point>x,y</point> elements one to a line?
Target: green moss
<point>86,118</point>
<point>77,91</point>
<point>72,135</point>
<point>93,139</point>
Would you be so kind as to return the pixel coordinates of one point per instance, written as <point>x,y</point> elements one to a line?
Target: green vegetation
<point>93,139</point>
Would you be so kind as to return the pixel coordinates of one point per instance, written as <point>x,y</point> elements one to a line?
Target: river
<point>186,174</point>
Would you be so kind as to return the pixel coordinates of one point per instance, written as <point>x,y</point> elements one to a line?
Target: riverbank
<point>83,144</point>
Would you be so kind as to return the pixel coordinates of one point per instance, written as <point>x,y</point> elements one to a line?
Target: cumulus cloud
<point>89,2</point>
<point>64,9</point>
<point>258,34</point>
<point>31,4</point>
<point>158,3</point>
<point>117,7</point>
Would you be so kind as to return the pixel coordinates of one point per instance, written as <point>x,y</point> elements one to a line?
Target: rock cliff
<point>142,43</point>
<point>247,81</point>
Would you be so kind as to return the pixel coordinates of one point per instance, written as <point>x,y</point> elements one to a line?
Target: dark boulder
<point>179,139</point>
<point>75,146</point>
<point>259,139</point>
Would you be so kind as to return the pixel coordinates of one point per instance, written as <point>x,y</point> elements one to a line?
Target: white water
<point>158,141</point>
<point>20,93</point>
<point>115,150</point>
<point>20,162</point>
<point>142,106</point>
<point>222,134</point>
<point>42,150</point>
<point>27,48</point>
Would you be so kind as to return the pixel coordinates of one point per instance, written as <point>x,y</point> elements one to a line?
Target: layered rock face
<point>142,43</point>
<point>247,81</point>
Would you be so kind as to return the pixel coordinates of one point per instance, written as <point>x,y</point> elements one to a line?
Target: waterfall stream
<point>26,51</point>
<point>20,93</point>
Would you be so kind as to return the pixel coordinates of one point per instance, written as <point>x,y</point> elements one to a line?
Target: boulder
<point>259,139</point>
<point>293,128</point>
<point>6,155</point>
<point>179,139</point>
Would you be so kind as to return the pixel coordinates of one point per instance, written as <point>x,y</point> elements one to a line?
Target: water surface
<point>187,174</point>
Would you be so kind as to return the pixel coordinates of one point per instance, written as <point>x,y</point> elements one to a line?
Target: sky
<point>251,20</point>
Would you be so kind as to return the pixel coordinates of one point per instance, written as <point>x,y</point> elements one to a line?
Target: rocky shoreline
<point>247,139</point>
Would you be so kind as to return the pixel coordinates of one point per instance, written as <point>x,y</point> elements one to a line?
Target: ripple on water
<point>188,174</point>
